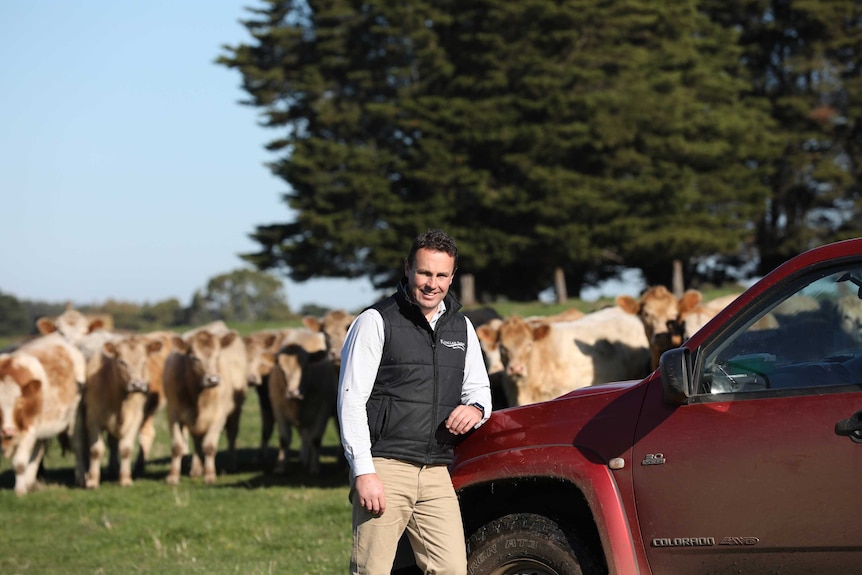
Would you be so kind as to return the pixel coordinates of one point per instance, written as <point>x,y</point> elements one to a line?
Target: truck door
<point>752,475</point>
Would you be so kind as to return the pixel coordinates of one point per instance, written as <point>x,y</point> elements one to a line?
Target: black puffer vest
<point>418,382</point>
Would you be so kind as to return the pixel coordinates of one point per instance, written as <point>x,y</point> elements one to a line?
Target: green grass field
<point>249,522</point>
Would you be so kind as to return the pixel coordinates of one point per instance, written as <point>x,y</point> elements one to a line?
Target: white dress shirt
<point>360,359</point>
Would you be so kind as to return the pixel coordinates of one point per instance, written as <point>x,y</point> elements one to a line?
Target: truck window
<point>811,338</point>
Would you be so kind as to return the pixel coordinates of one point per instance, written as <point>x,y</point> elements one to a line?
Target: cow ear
<point>179,344</point>
<point>487,334</point>
<point>109,349</point>
<point>312,323</point>
<point>46,325</point>
<point>228,338</point>
<point>32,387</point>
<point>628,304</point>
<point>541,331</point>
<point>269,340</point>
<point>689,300</point>
<point>94,325</point>
<point>154,346</point>
<point>267,359</point>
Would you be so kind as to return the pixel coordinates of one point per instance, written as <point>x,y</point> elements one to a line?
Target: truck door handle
<point>851,427</point>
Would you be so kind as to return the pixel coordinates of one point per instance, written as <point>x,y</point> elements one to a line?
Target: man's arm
<point>476,387</point>
<point>360,359</point>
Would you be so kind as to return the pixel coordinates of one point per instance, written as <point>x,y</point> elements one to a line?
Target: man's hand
<point>463,418</point>
<point>369,490</point>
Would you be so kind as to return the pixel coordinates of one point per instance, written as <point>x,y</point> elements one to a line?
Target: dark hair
<point>436,240</point>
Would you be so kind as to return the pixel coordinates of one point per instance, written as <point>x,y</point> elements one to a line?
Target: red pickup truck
<point>741,453</point>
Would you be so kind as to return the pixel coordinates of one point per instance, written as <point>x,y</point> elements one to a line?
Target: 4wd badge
<point>653,459</point>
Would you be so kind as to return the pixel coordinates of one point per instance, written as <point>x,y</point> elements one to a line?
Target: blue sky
<point>128,169</point>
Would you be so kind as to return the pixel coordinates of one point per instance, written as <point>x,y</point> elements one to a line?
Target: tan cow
<point>205,384</point>
<point>502,388</point>
<point>333,326</point>
<point>40,395</point>
<point>488,334</point>
<point>115,399</point>
<point>303,394</point>
<point>667,320</point>
<point>155,395</point>
<point>546,360</point>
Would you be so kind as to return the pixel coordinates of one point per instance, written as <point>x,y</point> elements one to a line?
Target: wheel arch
<point>558,482</point>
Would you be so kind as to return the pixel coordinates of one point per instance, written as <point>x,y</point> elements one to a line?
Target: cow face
<point>850,313</point>
<point>517,339</point>
<point>21,378</point>
<point>662,315</point>
<point>290,362</point>
<point>334,326</point>
<point>71,324</point>
<point>259,351</point>
<point>129,358</point>
<point>202,350</point>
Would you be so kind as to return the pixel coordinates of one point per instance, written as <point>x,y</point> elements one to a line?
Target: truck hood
<point>599,419</point>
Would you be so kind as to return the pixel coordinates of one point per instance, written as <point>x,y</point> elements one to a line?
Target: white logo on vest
<point>454,344</point>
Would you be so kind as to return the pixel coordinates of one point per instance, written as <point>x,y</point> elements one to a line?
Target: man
<point>412,380</point>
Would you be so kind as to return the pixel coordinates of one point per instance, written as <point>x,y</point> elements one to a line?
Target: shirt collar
<point>441,309</point>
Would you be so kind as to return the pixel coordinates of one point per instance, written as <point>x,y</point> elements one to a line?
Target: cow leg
<point>126,446</point>
<point>79,446</point>
<point>307,452</point>
<point>146,437</point>
<point>232,429</point>
<point>97,449</point>
<point>25,461</point>
<point>178,447</point>
<point>113,456</point>
<point>267,421</point>
<point>197,466</point>
<point>285,434</point>
<point>210,447</point>
<point>312,438</point>
<point>31,469</point>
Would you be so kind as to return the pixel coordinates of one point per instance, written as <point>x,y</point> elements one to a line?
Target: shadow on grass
<point>250,472</point>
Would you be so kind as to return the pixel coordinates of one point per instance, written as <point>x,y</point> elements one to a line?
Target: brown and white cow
<point>546,360</point>
<point>40,393</point>
<point>667,320</point>
<point>115,399</point>
<point>303,393</point>
<point>205,383</point>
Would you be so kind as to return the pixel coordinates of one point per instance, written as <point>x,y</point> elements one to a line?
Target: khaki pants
<point>421,500</point>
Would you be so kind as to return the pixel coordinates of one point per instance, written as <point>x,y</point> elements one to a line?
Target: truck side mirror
<point>675,370</point>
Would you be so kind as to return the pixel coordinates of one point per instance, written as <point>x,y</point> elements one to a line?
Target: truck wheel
<point>526,544</point>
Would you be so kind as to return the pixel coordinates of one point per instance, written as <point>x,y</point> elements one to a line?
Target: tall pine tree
<point>541,134</point>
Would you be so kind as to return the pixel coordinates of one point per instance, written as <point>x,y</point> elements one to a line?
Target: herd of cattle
<point>84,384</point>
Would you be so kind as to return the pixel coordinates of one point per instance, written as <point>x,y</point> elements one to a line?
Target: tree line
<point>556,136</point>
<point>239,296</point>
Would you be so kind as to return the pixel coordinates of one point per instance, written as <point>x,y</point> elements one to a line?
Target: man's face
<point>429,279</point>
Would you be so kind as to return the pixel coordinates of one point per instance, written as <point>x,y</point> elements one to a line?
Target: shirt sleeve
<point>476,387</point>
<point>360,359</point>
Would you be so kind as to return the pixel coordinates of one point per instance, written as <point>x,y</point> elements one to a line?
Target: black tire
<point>526,544</point>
